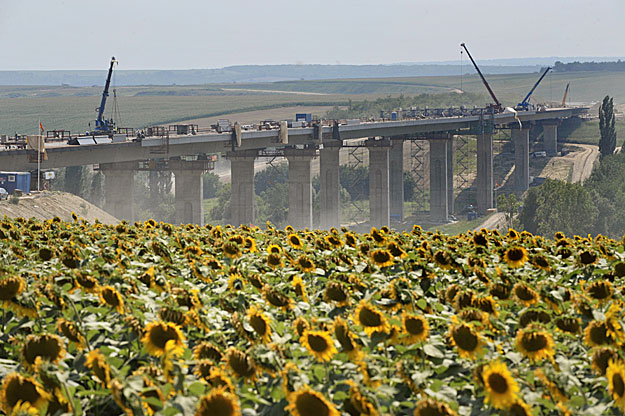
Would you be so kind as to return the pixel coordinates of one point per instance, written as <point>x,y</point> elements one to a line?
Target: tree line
<point>589,66</point>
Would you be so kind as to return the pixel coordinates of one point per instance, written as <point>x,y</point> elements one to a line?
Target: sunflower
<point>501,388</point>
<point>377,236</point>
<point>525,294</point>
<point>468,342</point>
<point>587,257</point>
<point>568,324</point>
<point>218,402</point>
<point>294,241</point>
<point>274,260</point>
<point>48,347</point>
<point>534,343</point>
<point>350,239</point>
<point>520,408</point>
<point>515,256</point>
<point>336,292</point>
<point>219,378</point>
<point>358,403</point>
<point>443,260</point>
<point>370,318</point>
<point>304,264</point>
<point>111,297</point>
<point>235,282</point>
<point>241,364</point>
<point>415,328</point>
<point>96,362</point>
<point>256,281</point>
<point>345,338</point>
<point>260,323</point>
<point>319,344</point>
<point>17,390</point>
<point>601,357</point>
<point>231,249</point>
<point>616,382</point>
<point>71,332</point>
<point>306,402</point>
<point>431,407</point>
<point>10,287</point>
<point>600,290</point>
<point>382,257</point>
<point>158,333</point>
<point>203,368</point>
<point>275,249</point>
<point>205,350</point>
<point>250,244</point>
<point>276,298</point>
<point>333,240</point>
<point>596,334</point>
<point>300,288</point>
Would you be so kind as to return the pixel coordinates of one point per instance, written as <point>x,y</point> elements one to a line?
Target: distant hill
<point>247,73</point>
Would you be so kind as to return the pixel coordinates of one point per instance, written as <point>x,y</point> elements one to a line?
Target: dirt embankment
<point>45,205</point>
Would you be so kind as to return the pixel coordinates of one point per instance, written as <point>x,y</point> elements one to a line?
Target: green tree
<point>508,205</point>
<point>607,143</point>
<point>211,184</point>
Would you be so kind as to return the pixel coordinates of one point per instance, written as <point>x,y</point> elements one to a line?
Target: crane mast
<point>497,104</point>
<point>524,105</point>
<point>102,125</point>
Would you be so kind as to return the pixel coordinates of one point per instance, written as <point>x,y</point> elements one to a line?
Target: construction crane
<point>525,104</point>
<point>566,93</point>
<point>102,125</point>
<point>497,106</point>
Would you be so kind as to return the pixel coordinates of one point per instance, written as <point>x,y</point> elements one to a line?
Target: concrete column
<point>484,172</point>
<point>550,137</point>
<point>329,192</point>
<point>242,186</point>
<point>119,189</point>
<point>439,195</point>
<point>450,175</point>
<point>396,172</point>
<point>521,141</point>
<point>300,187</point>
<point>379,198</point>
<point>189,196</point>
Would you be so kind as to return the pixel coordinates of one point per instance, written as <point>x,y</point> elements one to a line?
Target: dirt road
<point>583,162</point>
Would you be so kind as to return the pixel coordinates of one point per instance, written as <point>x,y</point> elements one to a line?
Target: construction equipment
<point>497,106</point>
<point>103,126</point>
<point>566,93</point>
<point>525,104</point>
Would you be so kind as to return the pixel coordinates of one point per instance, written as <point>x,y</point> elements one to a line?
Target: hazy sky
<point>184,34</point>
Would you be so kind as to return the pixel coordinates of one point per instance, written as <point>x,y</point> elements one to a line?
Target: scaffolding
<point>419,150</point>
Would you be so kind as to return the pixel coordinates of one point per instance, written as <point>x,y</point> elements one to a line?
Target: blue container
<point>307,117</point>
<point>15,180</point>
<point>394,115</point>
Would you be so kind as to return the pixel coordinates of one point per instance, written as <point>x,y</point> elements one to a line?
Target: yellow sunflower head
<point>17,390</point>
<point>96,362</point>
<point>218,402</point>
<point>336,292</point>
<point>241,364</point>
<point>370,318</point>
<point>10,287</point>
<point>111,297</point>
<point>275,249</point>
<point>47,347</point>
<point>525,294</point>
<point>294,241</point>
<point>276,298</point>
<point>300,325</point>
<point>157,334</point>
<point>415,328</point>
<point>71,332</point>
<point>382,257</point>
<point>587,257</point>
<point>350,239</point>
<point>304,264</point>
<point>601,357</point>
<point>534,343</point>
<point>300,288</point>
<point>319,344</point>
<point>501,388</point>
<point>274,260</point>
<point>231,249</point>
<point>259,321</point>
<point>443,259</point>
<point>600,290</point>
<point>235,282</point>
<point>616,382</point>
<point>306,402</point>
<point>432,407</point>
<point>466,339</point>
<point>596,334</point>
<point>515,256</point>
<point>333,240</point>
<point>207,351</point>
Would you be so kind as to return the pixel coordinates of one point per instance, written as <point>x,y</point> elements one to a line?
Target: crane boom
<point>492,94</point>
<point>524,105</point>
<point>566,93</point>
<point>101,124</point>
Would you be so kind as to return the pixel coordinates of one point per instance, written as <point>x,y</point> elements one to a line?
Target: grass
<point>461,226</point>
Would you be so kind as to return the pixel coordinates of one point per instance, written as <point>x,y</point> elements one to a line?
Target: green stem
<point>80,323</point>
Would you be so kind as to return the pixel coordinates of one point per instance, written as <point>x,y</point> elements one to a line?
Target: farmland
<point>150,317</point>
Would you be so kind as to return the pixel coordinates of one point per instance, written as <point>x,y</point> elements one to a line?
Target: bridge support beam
<point>521,142</point>
<point>550,137</point>
<point>396,171</point>
<point>329,192</point>
<point>300,187</point>
<point>189,194</point>
<point>119,189</point>
<point>379,198</point>
<point>242,186</point>
<point>439,183</point>
<point>450,174</point>
<point>484,172</point>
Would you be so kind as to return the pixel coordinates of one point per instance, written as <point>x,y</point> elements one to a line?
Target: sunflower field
<point>150,318</point>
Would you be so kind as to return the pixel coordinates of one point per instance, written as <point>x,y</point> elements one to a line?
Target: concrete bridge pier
<point>484,172</point>
<point>300,187</point>
<point>329,192</point>
<point>379,197</point>
<point>396,172</point>
<point>189,194</point>
<point>119,189</point>
<point>521,142</point>
<point>450,174</point>
<point>441,169</point>
<point>242,186</point>
<point>550,136</point>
